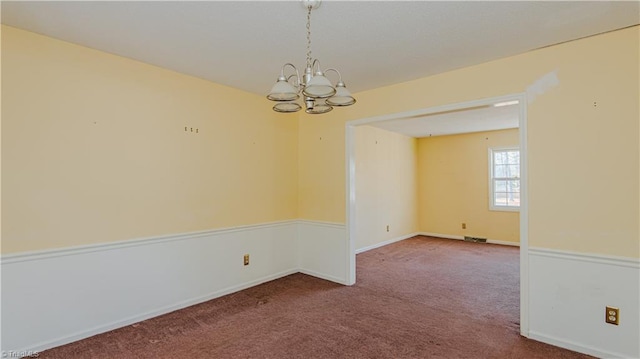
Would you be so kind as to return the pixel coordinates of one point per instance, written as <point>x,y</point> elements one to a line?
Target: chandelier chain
<point>309,36</point>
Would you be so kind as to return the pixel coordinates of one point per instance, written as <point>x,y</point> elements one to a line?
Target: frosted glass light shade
<point>318,109</point>
<point>283,91</point>
<point>342,97</point>
<point>319,87</point>
<point>287,107</point>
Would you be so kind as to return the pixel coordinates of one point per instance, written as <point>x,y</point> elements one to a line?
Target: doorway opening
<point>409,123</point>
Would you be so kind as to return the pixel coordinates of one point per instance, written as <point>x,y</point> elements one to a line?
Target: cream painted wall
<point>94,150</point>
<point>102,156</point>
<point>453,186</point>
<point>582,139</point>
<point>321,173</point>
<point>386,185</point>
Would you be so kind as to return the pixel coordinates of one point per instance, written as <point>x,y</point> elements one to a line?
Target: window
<point>504,181</point>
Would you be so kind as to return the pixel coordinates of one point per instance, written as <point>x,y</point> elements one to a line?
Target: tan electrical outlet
<point>246,259</point>
<point>464,226</point>
<point>612,315</point>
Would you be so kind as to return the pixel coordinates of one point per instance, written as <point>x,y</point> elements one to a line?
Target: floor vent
<point>475,239</point>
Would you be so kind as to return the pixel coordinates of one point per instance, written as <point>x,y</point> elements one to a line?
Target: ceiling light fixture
<point>319,96</point>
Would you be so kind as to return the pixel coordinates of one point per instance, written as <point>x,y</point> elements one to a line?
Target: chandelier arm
<point>336,71</point>
<point>288,64</point>
<point>313,66</point>
<point>297,74</point>
<point>297,83</point>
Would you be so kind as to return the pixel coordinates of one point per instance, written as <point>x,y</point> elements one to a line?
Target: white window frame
<point>492,179</point>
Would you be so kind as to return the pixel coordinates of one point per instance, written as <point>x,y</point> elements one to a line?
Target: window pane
<point>500,158</point>
<point>506,199</point>
<point>500,186</point>
<point>513,199</point>
<point>513,186</point>
<point>513,157</point>
<point>500,171</point>
<point>507,171</point>
<point>514,171</point>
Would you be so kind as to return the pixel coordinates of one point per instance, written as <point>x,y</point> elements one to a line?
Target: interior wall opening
<point>431,172</point>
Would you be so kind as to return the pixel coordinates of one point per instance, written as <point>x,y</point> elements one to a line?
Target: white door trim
<point>524,197</point>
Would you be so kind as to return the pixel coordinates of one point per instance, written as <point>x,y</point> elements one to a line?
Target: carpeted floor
<point>419,298</point>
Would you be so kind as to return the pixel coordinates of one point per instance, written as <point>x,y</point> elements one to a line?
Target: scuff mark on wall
<point>542,85</point>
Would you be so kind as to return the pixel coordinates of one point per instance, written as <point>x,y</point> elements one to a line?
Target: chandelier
<point>319,96</point>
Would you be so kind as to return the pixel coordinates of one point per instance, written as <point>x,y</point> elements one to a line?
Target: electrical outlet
<point>246,259</point>
<point>612,315</point>
<point>387,228</point>
<point>464,226</point>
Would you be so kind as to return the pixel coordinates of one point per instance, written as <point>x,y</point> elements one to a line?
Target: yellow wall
<point>321,176</point>
<point>583,159</point>
<point>94,149</point>
<point>386,185</point>
<point>453,186</point>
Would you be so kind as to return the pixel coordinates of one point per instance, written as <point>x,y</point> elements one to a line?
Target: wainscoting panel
<point>323,250</point>
<point>51,298</point>
<point>568,295</point>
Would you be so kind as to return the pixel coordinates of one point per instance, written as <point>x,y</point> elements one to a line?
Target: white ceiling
<point>486,118</point>
<point>243,44</point>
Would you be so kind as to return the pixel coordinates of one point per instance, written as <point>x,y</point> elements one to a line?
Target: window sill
<point>504,209</point>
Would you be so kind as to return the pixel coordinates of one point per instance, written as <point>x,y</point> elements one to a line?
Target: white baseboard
<point>503,243</point>
<point>38,347</point>
<point>428,234</point>
<point>324,276</point>
<point>568,295</point>
<point>461,238</point>
<point>387,242</point>
<point>580,348</point>
<point>441,235</point>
